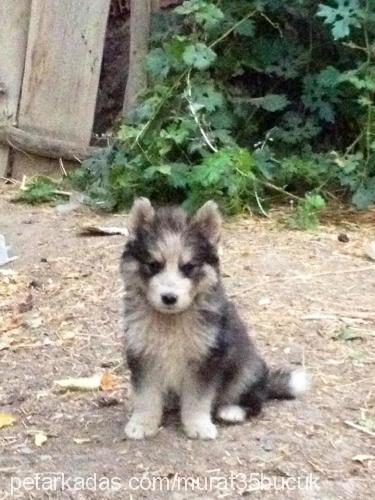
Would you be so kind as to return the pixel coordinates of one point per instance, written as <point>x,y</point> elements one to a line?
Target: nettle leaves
<point>321,92</point>
<point>248,94</point>
<point>179,54</point>
<point>205,14</point>
<point>199,56</point>
<point>181,51</point>
<point>346,14</point>
<point>270,102</point>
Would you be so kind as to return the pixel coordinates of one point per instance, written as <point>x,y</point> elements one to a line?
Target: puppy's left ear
<point>208,221</point>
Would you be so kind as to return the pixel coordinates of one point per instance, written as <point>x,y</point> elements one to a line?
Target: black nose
<point>169,298</point>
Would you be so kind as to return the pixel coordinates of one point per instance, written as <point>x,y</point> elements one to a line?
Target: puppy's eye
<point>154,266</point>
<point>187,269</point>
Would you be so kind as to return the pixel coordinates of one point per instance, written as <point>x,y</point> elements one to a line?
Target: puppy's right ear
<point>141,214</point>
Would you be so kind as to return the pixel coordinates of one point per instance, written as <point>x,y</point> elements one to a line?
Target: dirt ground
<point>310,299</point>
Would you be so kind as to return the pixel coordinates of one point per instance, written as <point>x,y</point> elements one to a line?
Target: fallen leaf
<point>80,383</point>
<point>81,440</point>
<point>363,458</point>
<point>6,419</point>
<point>40,438</point>
<point>108,381</point>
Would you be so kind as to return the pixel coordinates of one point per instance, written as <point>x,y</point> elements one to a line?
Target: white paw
<point>200,429</point>
<point>231,413</point>
<point>140,429</point>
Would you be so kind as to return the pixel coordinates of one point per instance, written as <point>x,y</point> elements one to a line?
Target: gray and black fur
<point>182,334</point>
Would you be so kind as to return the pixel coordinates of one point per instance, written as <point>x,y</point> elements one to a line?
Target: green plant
<point>247,100</point>
<point>306,215</point>
<point>40,189</point>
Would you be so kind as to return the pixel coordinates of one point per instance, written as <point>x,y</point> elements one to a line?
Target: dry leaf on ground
<point>40,438</point>
<point>81,440</point>
<point>80,383</point>
<point>105,382</point>
<point>6,419</point>
<point>108,381</point>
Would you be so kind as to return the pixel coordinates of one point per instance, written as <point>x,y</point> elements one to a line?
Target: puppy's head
<point>172,257</point>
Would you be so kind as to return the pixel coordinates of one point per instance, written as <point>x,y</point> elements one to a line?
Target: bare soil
<point>310,300</point>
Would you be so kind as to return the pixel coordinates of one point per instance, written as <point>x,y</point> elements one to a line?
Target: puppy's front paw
<point>140,429</point>
<point>200,429</point>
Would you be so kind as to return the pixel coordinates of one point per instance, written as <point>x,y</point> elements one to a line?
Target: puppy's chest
<point>171,345</point>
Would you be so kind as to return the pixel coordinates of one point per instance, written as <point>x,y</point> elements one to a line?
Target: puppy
<point>182,334</point>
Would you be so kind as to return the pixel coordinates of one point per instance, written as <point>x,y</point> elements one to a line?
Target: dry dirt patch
<point>309,298</point>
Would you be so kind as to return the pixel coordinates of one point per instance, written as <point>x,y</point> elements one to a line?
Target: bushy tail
<point>286,384</point>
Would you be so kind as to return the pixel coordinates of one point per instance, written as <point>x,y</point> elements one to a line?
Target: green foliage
<point>199,56</point>
<point>205,14</point>
<point>306,215</point>
<point>40,189</point>
<point>342,17</point>
<point>246,100</point>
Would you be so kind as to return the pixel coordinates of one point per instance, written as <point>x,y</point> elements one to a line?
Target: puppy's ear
<point>141,214</point>
<point>208,221</point>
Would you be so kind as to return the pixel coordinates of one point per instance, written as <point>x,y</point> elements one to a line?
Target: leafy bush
<point>41,189</point>
<point>248,99</point>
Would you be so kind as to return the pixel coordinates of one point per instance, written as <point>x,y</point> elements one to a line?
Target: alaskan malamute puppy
<point>182,334</point>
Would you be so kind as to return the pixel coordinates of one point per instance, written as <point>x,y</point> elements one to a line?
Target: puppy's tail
<point>287,384</point>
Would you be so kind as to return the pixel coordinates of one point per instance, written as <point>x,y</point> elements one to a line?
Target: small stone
<point>267,444</point>
<point>343,237</point>
<point>35,284</point>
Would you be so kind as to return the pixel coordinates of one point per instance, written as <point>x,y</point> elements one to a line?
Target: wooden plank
<point>44,146</point>
<point>62,72</point>
<point>14,18</point>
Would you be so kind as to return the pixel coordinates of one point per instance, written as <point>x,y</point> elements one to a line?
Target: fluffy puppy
<point>182,334</point>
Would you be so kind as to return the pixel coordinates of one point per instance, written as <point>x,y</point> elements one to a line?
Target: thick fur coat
<point>182,334</point>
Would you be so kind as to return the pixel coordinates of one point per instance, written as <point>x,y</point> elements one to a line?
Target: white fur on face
<point>170,281</point>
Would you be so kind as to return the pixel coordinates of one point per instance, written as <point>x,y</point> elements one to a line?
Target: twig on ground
<point>9,179</point>
<point>61,163</point>
<point>359,428</point>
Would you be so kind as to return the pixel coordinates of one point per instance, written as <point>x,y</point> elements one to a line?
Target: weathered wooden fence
<point>50,60</point>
